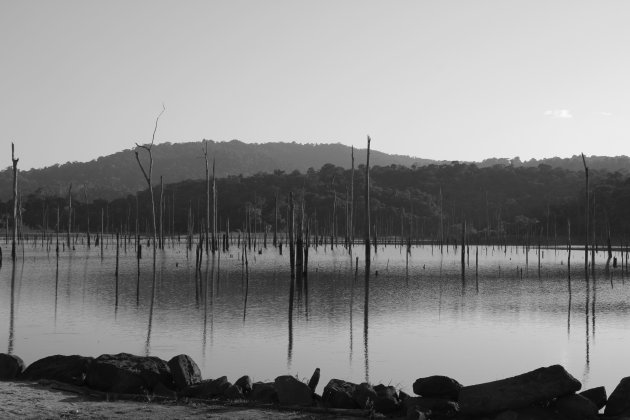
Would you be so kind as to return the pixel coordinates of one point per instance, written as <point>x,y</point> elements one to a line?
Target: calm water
<point>417,322</point>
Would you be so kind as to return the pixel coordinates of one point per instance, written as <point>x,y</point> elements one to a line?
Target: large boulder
<point>538,386</point>
<point>364,395</point>
<point>126,373</point>
<point>437,387</point>
<point>618,403</point>
<point>597,395</point>
<point>386,400</point>
<point>245,384</point>
<point>69,369</point>
<point>234,392</point>
<point>529,413</point>
<point>184,370</point>
<point>576,407</point>
<point>431,407</point>
<point>291,391</point>
<point>207,389</point>
<point>11,366</point>
<point>264,392</point>
<point>339,394</point>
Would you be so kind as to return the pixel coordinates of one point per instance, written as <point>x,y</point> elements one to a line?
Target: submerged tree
<point>148,175</point>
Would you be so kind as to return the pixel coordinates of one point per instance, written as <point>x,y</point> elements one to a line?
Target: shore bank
<point>123,385</point>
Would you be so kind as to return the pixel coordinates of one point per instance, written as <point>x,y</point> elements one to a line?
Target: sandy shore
<point>43,400</point>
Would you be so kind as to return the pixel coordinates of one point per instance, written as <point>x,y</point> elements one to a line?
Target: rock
<point>125,373</point>
<point>314,380</point>
<point>245,383</point>
<point>264,392</point>
<point>10,366</point>
<point>437,387</point>
<point>618,403</point>
<point>162,391</point>
<point>576,407</point>
<point>597,395</point>
<point>291,391</point>
<point>207,389</point>
<point>438,407</point>
<point>68,369</point>
<point>339,394</point>
<point>184,370</point>
<point>538,386</point>
<point>386,400</point>
<point>416,415</point>
<point>529,413</point>
<point>234,392</point>
<point>402,396</point>
<point>364,395</point>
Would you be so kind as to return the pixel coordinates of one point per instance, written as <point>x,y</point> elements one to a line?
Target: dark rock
<point>234,392</point>
<point>538,386</point>
<point>126,373</point>
<point>437,386</point>
<point>10,366</point>
<point>416,415</point>
<point>529,413</point>
<point>264,392</point>
<point>162,391</point>
<point>402,396</point>
<point>438,407</point>
<point>314,380</point>
<point>386,400</point>
<point>618,403</point>
<point>597,395</point>
<point>184,370</point>
<point>207,389</point>
<point>364,395</point>
<point>292,391</point>
<point>576,407</point>
<point>68,369</point>
<point>245,383</point>
<point>339,394</point>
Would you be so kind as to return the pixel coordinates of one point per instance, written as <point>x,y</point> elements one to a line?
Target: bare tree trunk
<point>15,203</point>
<point>214,209</point>
<point>275,226</point>
<point>205,153</point>
<point>148,177</point>
<point>69,215</point>
<point>586,211</point>
<point>351,221</point>
<point>291,241</point>
<point>87,214</point>
<point>367,209</point>
<point>161,213</point>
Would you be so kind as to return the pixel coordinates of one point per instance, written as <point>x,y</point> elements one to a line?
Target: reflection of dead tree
<point>148,176</point>
<point>15,203</point>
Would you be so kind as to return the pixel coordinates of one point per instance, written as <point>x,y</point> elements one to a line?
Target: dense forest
<point>116,175</point>
<point>496,203</point>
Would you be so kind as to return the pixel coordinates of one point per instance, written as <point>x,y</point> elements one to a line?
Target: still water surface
<point>417,321</point>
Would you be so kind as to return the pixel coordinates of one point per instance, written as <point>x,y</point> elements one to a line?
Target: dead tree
<point>69,216</point>
<point>148,175</point>
<point>15,203</point>
<point>586,211</point>
<point>87,213</point>
<point>367,208</point>
<point>205,155</point>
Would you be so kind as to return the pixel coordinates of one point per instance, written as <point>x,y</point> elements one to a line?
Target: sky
<point>440,79</point>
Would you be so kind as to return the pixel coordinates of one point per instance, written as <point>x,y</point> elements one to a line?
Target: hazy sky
<point>444,79</point>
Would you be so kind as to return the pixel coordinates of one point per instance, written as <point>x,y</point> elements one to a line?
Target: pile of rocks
<point>548,393</point>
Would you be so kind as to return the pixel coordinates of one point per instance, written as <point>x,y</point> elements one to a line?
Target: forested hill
<point>494,201</point>
<point>118,174</point>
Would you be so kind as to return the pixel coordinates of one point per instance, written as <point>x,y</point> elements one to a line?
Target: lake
<point>420,318</point>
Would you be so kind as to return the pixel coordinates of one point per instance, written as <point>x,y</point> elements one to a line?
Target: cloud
<point>605,114</point>
<point>558,113</point>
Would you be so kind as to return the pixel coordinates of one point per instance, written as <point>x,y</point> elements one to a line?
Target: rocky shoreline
<point>548,393</point>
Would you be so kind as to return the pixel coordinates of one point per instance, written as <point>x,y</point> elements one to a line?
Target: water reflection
<point>524,318</point>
